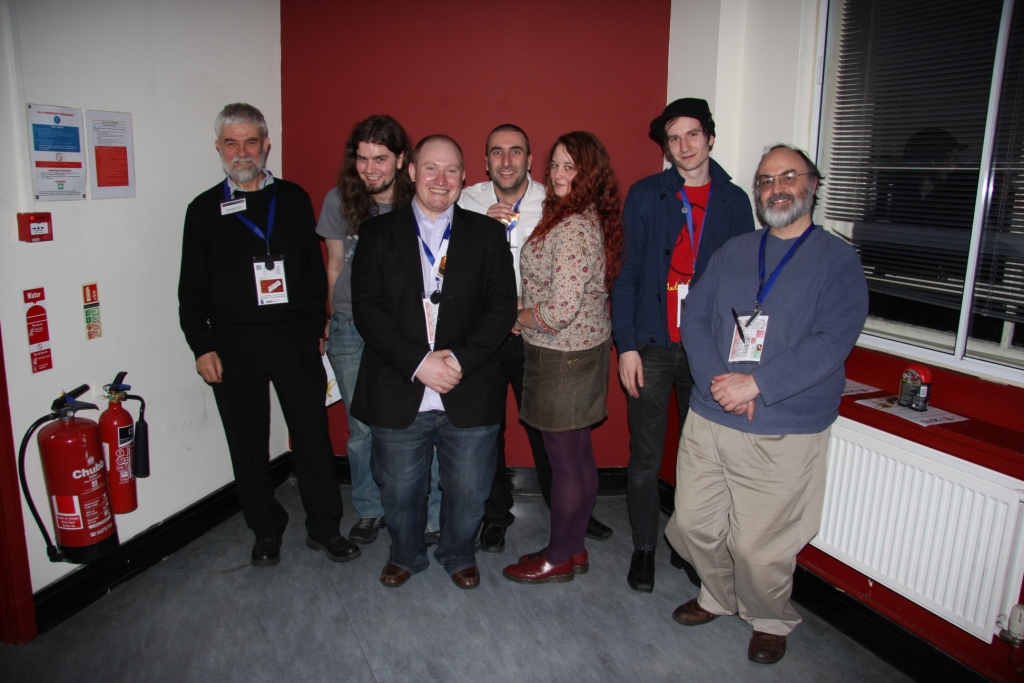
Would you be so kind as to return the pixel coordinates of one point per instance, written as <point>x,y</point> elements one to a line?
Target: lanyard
<point>441,250</point>
<point>515,209</point>
<point>766,285</point>
<point>270,215</point>
<point>688,212</point>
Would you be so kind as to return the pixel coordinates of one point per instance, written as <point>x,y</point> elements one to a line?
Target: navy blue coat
<point>653,218</point>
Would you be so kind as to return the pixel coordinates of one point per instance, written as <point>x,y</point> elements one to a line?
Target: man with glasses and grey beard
<point>251,304</point>
<point>767,331</point>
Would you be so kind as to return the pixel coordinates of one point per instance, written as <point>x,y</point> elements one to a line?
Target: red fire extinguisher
<point>76,482</point>
<point>125,445</point>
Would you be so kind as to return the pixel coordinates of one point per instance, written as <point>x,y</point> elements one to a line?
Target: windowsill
<point>993,437</point>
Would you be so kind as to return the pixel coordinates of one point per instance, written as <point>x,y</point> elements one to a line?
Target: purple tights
<point>573,491</point>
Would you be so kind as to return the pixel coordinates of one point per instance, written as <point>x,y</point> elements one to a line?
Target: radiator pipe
<point>1013,634</point>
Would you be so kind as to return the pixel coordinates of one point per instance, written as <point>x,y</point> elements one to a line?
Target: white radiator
<point>942,532</point>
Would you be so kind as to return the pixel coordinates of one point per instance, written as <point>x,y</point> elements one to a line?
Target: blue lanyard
<point>688,211</point>
<point>426,250</point>
<point>515,221</point>
<point>765,285</point>
<point>270,214</point>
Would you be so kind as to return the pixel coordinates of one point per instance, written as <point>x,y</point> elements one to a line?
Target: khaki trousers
<point>746,504</point>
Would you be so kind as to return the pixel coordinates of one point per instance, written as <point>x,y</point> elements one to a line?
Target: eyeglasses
<point>767,182</point>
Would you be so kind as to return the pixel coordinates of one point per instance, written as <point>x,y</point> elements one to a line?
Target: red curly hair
<point>594,185</point>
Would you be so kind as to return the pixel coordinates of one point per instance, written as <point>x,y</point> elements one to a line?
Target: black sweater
<point>217,284</point>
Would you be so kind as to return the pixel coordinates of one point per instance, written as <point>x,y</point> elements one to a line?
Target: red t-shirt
<point>683,258</point>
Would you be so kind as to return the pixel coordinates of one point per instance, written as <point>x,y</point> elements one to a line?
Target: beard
<point>381,186</point>
<point>509,185</point>
<point>243,175</point>
<point>802,203</point>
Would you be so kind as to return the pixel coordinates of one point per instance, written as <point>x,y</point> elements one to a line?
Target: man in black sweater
<point>252,306</point>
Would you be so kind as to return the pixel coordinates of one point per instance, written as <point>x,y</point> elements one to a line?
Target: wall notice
<point>91,310</point>
<point>57,152</point>
<point>38,329</point>
<point>113,154</point>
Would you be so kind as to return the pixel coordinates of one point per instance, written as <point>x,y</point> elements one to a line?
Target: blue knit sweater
<point>815,313</point>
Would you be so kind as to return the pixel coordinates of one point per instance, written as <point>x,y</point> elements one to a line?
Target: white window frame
<point>957,360</point>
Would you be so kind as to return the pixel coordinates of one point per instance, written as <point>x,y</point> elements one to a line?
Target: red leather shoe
<point>580,560</point>
<point>539,570</point>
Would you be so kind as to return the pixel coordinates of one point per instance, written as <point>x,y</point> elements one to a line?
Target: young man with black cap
<point>675,220</point>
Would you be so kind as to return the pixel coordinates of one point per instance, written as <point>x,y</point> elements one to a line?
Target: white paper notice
<point>57,152</point>
<point>858,388</point>
<point>932,416</point>
<point>112,147</point>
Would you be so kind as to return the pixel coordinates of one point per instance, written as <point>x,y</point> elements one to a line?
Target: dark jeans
<point>662,369</point>
<point>253,356</point>
<point>498,509</point>
<point>401,464</point>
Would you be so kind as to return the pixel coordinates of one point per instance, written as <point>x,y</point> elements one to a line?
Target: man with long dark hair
<point>373,180</point>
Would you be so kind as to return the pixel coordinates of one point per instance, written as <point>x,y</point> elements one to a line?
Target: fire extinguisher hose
<point>140,463</point>
<point>51,550</point>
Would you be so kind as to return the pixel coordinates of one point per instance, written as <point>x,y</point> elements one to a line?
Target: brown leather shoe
<point>692,614</point>
<point>394,576</point>
<point>467,578</point>
<point>766,648</point>
<point>580,560</point>
<point>539,570</point>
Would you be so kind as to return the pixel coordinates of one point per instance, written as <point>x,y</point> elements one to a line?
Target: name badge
<point>747,348</point>
<point>431,306</point>
<point>681,293</point>
<point>232,206</point>
<point>271,285</point>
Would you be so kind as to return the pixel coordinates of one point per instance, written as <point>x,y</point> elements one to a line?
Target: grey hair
<point>240,112</point>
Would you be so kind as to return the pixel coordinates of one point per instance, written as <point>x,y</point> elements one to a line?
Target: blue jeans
<point>345,350</point>
<point>648,415</point>
<point>401,464</point>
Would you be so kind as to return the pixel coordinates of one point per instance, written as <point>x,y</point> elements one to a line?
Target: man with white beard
<point>767,331</point>
<point>252,305</point>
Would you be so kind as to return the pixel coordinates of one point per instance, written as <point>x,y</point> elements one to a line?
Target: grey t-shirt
<point>333,226</point>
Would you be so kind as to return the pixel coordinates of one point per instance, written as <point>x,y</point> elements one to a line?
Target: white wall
<point>754,61</point>
<point>172,65</point>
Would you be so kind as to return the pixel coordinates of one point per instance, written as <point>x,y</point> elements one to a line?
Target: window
<point>922,145</point>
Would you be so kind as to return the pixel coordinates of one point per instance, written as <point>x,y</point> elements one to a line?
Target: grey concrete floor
<point>204,614</point>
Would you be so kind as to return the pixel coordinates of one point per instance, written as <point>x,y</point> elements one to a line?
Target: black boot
<point>679,563</point>
<point>641,571</point>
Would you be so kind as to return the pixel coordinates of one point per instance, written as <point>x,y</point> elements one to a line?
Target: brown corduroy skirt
<point>565,390</point>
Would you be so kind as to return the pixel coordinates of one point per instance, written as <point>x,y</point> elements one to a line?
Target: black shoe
<point>432,537</point>
<point>492,538</point>
<point>365,530</point>
<point>337,549</point>
<point>641,571</point>
<point>679,563</point>
<point>266,552</point>
<point>598,531</point>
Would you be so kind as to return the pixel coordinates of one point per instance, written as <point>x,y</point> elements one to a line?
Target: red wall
<point>463,68</point>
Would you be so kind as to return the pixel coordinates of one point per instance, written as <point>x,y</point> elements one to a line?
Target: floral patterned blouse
<point>563,281</point>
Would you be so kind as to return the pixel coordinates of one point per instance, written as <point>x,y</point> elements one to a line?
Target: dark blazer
<point>478,309</point>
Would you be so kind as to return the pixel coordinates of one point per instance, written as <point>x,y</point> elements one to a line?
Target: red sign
<point>38,329</point>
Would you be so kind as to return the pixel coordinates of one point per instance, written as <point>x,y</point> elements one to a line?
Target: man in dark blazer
<point>434,296</point>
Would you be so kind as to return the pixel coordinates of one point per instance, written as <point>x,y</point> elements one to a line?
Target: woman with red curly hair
<point>568,266</point>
